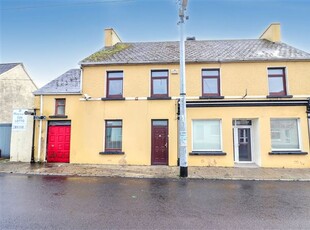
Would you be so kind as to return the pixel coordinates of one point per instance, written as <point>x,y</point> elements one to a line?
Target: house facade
<point>247,104</point>
<point>16,96</point>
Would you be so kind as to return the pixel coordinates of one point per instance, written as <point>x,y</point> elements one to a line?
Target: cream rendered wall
<point>272,33</point>
<point>136,83</point>
<point>87,129</point>
<point>87,117</point>
<point>88,135</point>
<point>239,78</point>
<point>72,110</point>
<point>263,116</point>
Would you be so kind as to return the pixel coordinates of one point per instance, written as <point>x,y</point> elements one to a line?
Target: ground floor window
<point>113,135</point>
<point>284,134</point>
<point>207,135</point>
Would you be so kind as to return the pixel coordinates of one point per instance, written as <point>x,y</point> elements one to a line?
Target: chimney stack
<point>110,37</point>
<point>272,33</point>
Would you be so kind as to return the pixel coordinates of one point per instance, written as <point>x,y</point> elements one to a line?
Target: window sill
<point>287,153</point>
<point>58,116</point>
<point>111,153</point>
<point>211,97</point>
<point>112,99</point>
<point>159,98</point>
<point>279,96</point>
<point>208,153</point>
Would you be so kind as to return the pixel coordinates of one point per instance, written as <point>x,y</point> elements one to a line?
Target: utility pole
<point>182,116</point>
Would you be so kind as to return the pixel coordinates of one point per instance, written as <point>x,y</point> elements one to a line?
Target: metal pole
<point>182,118</point>
<point>33,136</point>
<point>40,129</point>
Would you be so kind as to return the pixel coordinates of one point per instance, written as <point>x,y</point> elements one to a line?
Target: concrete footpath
<point>220,173</point>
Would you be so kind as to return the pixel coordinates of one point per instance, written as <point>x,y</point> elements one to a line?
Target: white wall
<point>21,141</point>
<point>16,89</point>
<point>256,142</point>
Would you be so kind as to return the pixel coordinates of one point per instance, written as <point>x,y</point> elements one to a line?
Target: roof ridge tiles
<point>226,50</point>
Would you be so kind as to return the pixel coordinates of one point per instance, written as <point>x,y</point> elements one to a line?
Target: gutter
<point>194,61</point>
<point>60,93</point>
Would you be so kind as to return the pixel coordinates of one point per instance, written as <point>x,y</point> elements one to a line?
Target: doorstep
<point>246,165</point>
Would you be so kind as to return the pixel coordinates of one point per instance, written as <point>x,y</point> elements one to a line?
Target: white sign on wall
<point>19,120</point>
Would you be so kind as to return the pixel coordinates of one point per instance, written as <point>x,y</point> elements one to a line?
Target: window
<point>159,83</point>
<point>211,82</point>
<point>276,81</point>
<point>115,84</point>
<point>113,136</point>
<point>60,105</point>
<point>207,135</point>
<point>284,134</point>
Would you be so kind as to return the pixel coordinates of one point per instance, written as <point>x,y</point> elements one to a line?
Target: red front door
<point>58,147</point>
<point>159,142</point>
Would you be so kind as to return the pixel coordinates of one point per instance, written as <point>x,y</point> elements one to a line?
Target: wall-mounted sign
<point>39,117</point>
<point>19,120</point>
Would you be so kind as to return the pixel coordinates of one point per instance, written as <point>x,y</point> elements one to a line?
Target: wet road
<point>46,202</point>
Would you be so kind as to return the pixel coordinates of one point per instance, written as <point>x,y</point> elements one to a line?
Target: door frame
<point>236,143</point>
<point>57,123</point>
<point>152,153</point>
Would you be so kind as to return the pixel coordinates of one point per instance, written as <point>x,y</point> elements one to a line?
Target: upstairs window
<point>276,82</point>
<point>113,136</point>
<point>60,105</point>
<point>159,83</point>
<point>210,82</point>
<point>115,84</point>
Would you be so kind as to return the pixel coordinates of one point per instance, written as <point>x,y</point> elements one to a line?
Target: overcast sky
<point>52,36</point>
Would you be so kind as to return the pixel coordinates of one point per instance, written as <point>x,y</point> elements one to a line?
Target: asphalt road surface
<point>49,202</point>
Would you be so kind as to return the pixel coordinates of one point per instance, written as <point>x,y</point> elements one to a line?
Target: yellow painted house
<point>247,104</point>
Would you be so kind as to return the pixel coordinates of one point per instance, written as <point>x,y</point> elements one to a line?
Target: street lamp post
<point>182,116</point>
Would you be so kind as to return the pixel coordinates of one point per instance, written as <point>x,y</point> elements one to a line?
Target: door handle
<point>166,145</point>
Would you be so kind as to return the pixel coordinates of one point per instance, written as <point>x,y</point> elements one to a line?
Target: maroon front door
<point>58,147</point>
<point>159,142</point>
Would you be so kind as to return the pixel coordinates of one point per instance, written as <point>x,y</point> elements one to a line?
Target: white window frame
<point>298,133</point>
<point>236,142</point>
<point>221,137</point>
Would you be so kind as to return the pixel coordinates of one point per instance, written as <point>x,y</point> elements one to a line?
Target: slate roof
<point>7,66</point>
<point>67,83</point>
<point>197,51</point>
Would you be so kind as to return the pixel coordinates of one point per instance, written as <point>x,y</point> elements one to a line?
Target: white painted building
<point>16,89</point>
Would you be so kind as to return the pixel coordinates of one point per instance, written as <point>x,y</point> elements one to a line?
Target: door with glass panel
<point>244,144</point>
<point>159,142</point>
<point>243,140</point>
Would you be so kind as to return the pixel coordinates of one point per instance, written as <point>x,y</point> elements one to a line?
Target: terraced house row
<point>247,104</point>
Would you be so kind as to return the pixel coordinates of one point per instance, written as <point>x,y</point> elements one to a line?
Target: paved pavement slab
<point>220,173</point>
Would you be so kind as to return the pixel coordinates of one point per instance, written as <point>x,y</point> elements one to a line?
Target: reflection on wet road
<point>48,202</point>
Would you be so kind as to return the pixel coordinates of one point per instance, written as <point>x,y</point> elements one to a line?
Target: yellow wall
<point>272,33</point>
<point>136,83</point>
<point>87,117</point>
<point>237,78</point>
<point>262,115</point>
<point>87,129</point>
